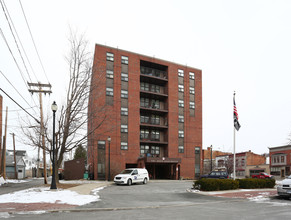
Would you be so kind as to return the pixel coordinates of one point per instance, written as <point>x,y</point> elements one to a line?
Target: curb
<point>117,208</point>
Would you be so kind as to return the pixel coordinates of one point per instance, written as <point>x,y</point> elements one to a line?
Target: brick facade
<point>151,133</point>
<point>1,123</point>
<point>206,157</point>
<point>243,160</point>
<point>280,160</point>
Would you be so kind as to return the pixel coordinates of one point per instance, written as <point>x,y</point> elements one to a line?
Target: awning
<point>162,160</point>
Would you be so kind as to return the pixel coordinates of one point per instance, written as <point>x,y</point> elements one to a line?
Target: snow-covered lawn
<point>45,195</point>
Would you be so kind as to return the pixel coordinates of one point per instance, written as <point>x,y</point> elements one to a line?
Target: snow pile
<point>16,181</point>
<point>45,195</point>
<point>80,181</point>
<point>2,181</point>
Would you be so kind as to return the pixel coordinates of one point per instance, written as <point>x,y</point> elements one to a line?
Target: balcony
<point>153,122</point>
<point>149,74</point>
<point>147,137</point>
<point>153,105</point>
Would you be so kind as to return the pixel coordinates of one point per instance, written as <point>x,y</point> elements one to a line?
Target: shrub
<point>215,184</point>
<point>256,183</point>
<point>228,184</point>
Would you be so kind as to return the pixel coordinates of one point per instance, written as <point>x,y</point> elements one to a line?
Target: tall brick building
<point>152,111</point>
<point>1,101</point>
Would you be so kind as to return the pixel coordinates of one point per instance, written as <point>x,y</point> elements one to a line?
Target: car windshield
<point>289,177</point>
<point>126,171</point>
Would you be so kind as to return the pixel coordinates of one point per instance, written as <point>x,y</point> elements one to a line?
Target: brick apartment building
<point>280,160</point>
<point>247,163</point>
<point>1,102</point>
<point>144,112</point>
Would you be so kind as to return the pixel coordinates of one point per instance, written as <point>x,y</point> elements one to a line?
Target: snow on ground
<point>16,181</point>
<point>45,195</point>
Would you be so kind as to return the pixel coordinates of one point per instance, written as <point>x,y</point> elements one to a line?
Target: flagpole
<point>234,160</point>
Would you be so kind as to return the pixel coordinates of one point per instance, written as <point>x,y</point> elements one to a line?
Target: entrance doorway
<point>161,171</point>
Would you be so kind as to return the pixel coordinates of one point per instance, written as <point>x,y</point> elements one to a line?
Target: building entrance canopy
<point>162,160</point>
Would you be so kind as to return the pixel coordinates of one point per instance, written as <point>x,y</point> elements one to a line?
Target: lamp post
<point>54,109</point>
<point>109,140</point>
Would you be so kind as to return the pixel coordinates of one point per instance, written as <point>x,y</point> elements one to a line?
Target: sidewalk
<point>84,189</point>
<point>240,193</point>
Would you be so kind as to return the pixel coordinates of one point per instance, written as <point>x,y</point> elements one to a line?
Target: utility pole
<point>15,164</point>
<point>40,91</point>
<point>4,147</point>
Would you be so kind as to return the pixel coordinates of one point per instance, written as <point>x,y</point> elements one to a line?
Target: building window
<point>144,119</point>
<point>181,149</point>
<point>144,134</point>
<point>124,111</point>
<point>124,129</point>
<point>124,77</point>
<point>282,159</point>
<point>124,146</point>
<point>144,86</point>
<point>181,88</point>
<point>191,75</point>
<point>110,56</point>
<point>155,88</point>
<point>155,135</point>
<point>124,60</point>
<point>144,102</point>
<point>192,90</point>
<point>192,105</point>
<point>181,103</point>
<point>181,73</point>
<point>155,150</point>
<point>156,104</point>
<point>197,150</point>
<point>155,119</point>
<point>144,149</point>
<point>124,94</point>
<point>109,74</point>
<point>109,91</point>
<point>181,118</point>
<point>181,134</point>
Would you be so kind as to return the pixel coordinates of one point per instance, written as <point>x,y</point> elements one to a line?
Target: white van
<point>132,175</point>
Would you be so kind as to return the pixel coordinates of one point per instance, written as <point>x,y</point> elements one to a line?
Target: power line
<point>15,89</point>
<point>19,40</point>
<point>13,56</point>
<point>20,106</point>
<point>33,40</point>
<point>3,36</point>
<point>15,39</point>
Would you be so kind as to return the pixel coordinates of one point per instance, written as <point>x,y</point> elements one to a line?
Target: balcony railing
<point>153,72</point>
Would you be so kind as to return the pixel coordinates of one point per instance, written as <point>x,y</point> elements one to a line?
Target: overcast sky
<point>241,46</point>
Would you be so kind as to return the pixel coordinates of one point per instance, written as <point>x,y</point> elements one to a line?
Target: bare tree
<point>72,116</point>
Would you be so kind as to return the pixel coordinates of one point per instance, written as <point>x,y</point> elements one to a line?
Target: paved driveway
<point>12,187</point>
<point>170,200</point>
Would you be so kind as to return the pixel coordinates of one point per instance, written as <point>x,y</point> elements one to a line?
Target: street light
<point>54,109</point>
<point>109,140</point>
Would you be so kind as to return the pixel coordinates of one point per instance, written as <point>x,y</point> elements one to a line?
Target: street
<point>12,187</point>
<point>169,200</point>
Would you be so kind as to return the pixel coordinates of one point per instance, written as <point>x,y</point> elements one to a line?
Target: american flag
<point>235,115</point>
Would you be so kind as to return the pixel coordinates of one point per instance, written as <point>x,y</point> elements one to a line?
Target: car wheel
<point>129,182</point>
<point>145,181</point>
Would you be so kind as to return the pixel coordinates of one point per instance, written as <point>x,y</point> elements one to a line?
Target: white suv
<point>132,175</point>
<point>284,188</point>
